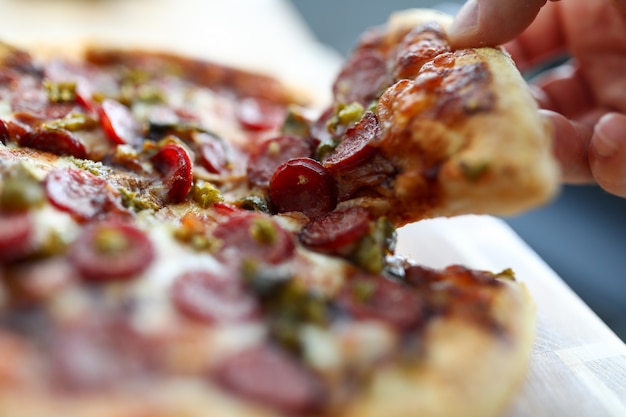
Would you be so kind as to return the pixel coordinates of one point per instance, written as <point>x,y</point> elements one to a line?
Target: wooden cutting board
<point>578,366</point>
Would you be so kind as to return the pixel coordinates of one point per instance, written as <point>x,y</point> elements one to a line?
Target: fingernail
<point>466,20</point>
<point>607,133</point>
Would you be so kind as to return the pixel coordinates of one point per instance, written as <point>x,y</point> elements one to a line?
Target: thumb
<point>493,22</point>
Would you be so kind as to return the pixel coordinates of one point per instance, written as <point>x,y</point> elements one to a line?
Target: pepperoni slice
<point>95,353</point>
<point>213,154</point>
<point>34,102</point>
<point>270,377</point>
<point>111,251</point>
<point>84,94</point>
<point>211,298</point>
<point>356,148</point>
<point>226,209</point>
<point>32,283</point>
<point>258,114</point>
<point>336,230</point>
<point>56,141</point>
<point>16,232</point>
<point>418,47</point>
<point>271,154</point>
<point>362,78</point>
<point>83,77</point>
<point>17,132</point>
<point>4,132</point>
<point>80,193</point>
<point>373,297</point>
<point>319,128</point>
<point>172,161</point>
<point>247,235</point>
<point>118,123</point>
<point>304,185</point>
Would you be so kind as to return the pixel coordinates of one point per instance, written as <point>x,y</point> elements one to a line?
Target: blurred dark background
<point>582,235</point>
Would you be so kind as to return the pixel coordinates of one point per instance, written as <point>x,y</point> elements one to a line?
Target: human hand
<point>585,98</point>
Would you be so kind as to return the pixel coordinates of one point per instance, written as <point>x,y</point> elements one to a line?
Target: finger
<point>570,147</point>
<point>607,153</point>
<point>542,41</point>
<point>491,22</point>
<point>566,91</point>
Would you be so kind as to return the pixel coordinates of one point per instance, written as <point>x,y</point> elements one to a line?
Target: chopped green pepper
<point>372,250</point>
<point>72,122</point>
<point>345,115</point>
<point>325,148</point>
<point>474,171</point>
<point>287,302</point>
<point>296,123</point>
<point>60,92</point>
<point>136,202</point>
<point>263,231</point>
<point>253,203</point>
<point>111,241</point>
<point>206,194</point>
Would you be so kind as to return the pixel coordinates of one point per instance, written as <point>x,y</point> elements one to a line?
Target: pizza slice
<point>418,130</point>
<point>181,238</point>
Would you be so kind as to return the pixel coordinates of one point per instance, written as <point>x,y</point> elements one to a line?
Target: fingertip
<point>607,153</point>
<point>491,22</point>
<point>464,27</point>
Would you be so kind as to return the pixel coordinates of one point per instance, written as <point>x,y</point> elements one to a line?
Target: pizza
<point>179,238</point>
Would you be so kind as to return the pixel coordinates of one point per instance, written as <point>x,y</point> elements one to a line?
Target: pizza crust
<point>467,370</point>
<point>497,161</point>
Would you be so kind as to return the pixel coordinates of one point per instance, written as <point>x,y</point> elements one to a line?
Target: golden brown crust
<point>493,156</point>
<point>467,369</point>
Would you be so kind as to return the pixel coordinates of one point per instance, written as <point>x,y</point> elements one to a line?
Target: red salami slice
<point>84,95</point>
<point>271,154</point>
<point>210,298</point>
<point>372,297</point>
<point>419,47</point>
<point>213,154</point>
<point>304,185</point>
<point>95,353</point>
<point>56,141</point>
<point>81,194</point>
<point>337,230</point>
<point>16,231</point>
<point>270,377</point>
<point>118,123</point>
<point>174,164</point>
<point>253,236</point>
<point>258,114</point>
<point>111,251</point>
<point>362,78</point>
<point>357,146</point>
<point>4,132</point>
<point>16,132</point>
<point>34,103</point>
